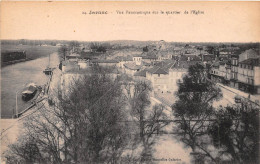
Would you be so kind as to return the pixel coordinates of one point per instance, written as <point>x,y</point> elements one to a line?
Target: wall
<point>244,74</point>
<point>166,82</point>
<point>257,75</point>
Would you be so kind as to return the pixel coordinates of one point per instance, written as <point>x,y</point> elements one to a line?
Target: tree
<point>25,151</point>
<point>236,132</point>
<point>194,108</point>
<point>98,47</point>
<point>147,119</point>
<point>63,50</point>
<point>73,46</point>
<point>210,49</point>
<point>145,49</point>
<point>84,126</point>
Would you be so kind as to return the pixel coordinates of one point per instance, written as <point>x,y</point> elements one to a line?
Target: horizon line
<point>133,40</point>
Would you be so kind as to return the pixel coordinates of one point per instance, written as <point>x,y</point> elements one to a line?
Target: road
<point>228,98</point>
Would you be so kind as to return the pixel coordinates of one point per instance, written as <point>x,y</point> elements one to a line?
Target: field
<point>32,52</point>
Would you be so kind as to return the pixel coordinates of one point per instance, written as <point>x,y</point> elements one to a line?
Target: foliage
<point>24,151</point>
<point>145,49</point>
<point>193,108</point>
<point>85,125</point>
<point>63,51</point>
<point>74,45</point>
<point>98,47</point>
<point>228,134</point>
<point>147,119</point>
<point>236,132</point>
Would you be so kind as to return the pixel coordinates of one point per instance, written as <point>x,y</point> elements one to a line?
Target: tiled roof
<point>169,65</point>
<point>183,64</point>
<point>163,53</point>
<point>124,58</point>
<point>149,57</point>
<point>137,55</point>
<point>141,73</point>
<point>159,63</point>
<point>146,64</point>
<point>216,64</point>
<point>251,52</point>
<point>132,66</point>
<point>190,57</point>
<point>252,62</point>
<point>160,71</point>
<point>104,61</point>
<point>157,70</point>
<point>208,57</point>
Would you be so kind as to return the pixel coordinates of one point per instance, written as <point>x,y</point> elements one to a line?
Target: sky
<point>221,21</point>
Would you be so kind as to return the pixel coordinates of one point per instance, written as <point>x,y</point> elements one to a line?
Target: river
<point>15,77</point>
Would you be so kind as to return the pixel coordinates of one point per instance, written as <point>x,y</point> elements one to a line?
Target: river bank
<point>14,62</point>
<point>32,52</point>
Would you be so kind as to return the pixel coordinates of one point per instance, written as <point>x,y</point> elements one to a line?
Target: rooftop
<point>124,58</point>
<point>157,70</point>
<point>149,57</point>
<point>141,73</point>
<point>252,61</point>
<point>251,52</point>
<point>190,57</point>
<point>73,55</point>
<point>132,66</point>
<point>104,61</point>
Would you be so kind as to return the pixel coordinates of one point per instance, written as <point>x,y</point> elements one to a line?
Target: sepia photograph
<point>130,82</point>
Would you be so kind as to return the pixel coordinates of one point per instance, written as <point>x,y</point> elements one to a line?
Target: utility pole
<point>16,106</point>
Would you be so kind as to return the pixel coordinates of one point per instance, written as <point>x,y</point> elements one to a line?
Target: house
<point>68,65</point>
<point>131,68</point>
<point>73,57</point>
<point>221,72</point>
<point>122,60</point>
<point>178,51</point>
<point>241,72</point>
<point>140,75</point>
<point>251,53</point>
<point>234,72</point>
<point>105,63</point>
<point>158,77</point>
<point>137,59</point>
<point>207,58</point>
<point>176,73</point>
<point>189,57</point>
<point>84,64</point>
<point>164,55</point>
<point>165,76</point>
<point>149,59</point>
<point>248,76</point>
